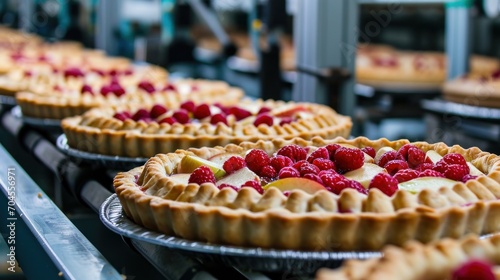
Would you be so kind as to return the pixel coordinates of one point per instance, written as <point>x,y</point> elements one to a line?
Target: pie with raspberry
<point>332,195</point>
<point>465,259</point>
<point>475,90</point>
<point>142,131</point>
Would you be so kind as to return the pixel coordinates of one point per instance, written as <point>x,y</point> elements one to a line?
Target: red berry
<point>313,177</point>
<point>404,175</point>
<point>285,120</point>
<point>395,165</point>
<point>157,111</point>
<point>299,163</point>
<point>278,162</point>
<point>454,158</point>
<point>181,116</point>
<point>141,114</point>
<point>169,87</point>
<point>87,88</point>
<point>332,148</point>
<point>224,185</point>
<point>327,172</point>
<point>440,166</point>
<point>268,171</point>
<point>456,171</point>
<point>239,113</point>
<point>415,156</point>
<point>202,174</point>
<point>286,193</point>
<point>348,159</point>
<point>403,151</point>
<point>264,119</point>
<point>202,111</point>
<point>73,72</point>
<point>384,182</point>
<point>254,184</point>
<point>105,90</point>
<point>474,269</point>
<point>116,89</point>
<point>287,172</point>
<point>223,108</point>
<point>188,106</point>
<point>146,86</point>
<point>122,117</point>
<point>357,186</point>
<point>234,163</point>
<point>218,118</point>
<point>423,166</point>
<point>264,110</point>
<point>294,152</point>
<point>386,157</point>
<point>319,153</point>
<point>369,151</point>
<point>308,168</point>
<point>169,120</point>
<point>468,177</point>
<point>324,164</point>
<point>335,182</point>
<point>256,160</point>
<point>430,173</point>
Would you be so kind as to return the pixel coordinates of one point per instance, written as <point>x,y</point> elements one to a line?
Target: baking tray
<point>98,160</point>
<point>458,109</point>
<point>253,67</point>
<point>403,87</point>
<point>251,259</point>
<point>45,124</point>
<point>8,101</point>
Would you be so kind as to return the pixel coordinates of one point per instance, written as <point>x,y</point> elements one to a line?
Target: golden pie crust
<point>98,132</point>
<point>323,221</point>
<point>474,90</point>
<point>415,261</point>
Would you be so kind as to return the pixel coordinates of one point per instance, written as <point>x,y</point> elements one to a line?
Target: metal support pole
<point>458,29</point>
<point>26,13</point>
<point>107,20</point>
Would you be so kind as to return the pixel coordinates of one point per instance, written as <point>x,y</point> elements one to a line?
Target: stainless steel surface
<point>257,259</point>
<point>458,34</point>
<point>65,246</point>
<point>446,107</point>
<point>107,21</point>
<point>98,160</point>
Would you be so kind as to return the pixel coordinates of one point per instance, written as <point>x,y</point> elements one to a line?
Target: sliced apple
<point>421,183</point>
<point>365,174</point>
<point>180,178</point>
<point>435,157</point>
<point>382,151</point>
<point>367,157</point>
<point>221,158</point>
<point>288,184</point>
<point>189,163</point>
<point>239,177</point>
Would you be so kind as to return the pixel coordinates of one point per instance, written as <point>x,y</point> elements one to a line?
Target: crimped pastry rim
<point>130,196</point>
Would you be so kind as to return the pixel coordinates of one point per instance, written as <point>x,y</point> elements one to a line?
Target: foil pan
<point>244,258</point>
<point>98,160</point>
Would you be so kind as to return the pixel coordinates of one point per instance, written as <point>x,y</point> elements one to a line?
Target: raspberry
<point>256,160</point>
<point>335,182</point>
<point>298,164</point>
<point>415,156</point>
<point>324,164</point>
<point>286,193</point>
<point>285,120</point>
<point>223,108</point>
<point>264,119</point>
<point>369,151</point>
<point>456,171</point>
<point>234,163</point>
<point>319,153</point>
<point>384,182</point>
<point>278,162</point>
<point>157,111</point>
<point>169,87</point>
<point>332,148</point>
<point>254,184</point>
<point>181,116</point>
<point>268,171</point>
<point>218,118</point>
<point>423,166</point>
<point>403,151</point>
<point>73,72</point>
<point>141,114</point>
<point>395,165</point>
<point>348,159</point>
<point>404,175</point>
<point>201,111</point>
<point>430,173</point>
<point>440,166</point>
<point>169,120</point>
<point>122,117</point>
<point>222,186</point>
<point>294,152</point>
<point>326,172</point>
<point>308,168</point>
<point>474,269</point>
<point>264,110</point>
<point>357,186</point>
<point>239,113</point>
<point>313,177</point>
<point>468,177</point>
<point>287,172</point>
<point>454,158</point>
<point>116,89</point>
<point>146,86</point>
<point>86,88</point>
<point>105,90</point>
<point>202,174</point>
<point>188,106</point>
<point>386,157</point>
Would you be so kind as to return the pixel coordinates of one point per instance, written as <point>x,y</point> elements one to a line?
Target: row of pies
<point>270,174</point>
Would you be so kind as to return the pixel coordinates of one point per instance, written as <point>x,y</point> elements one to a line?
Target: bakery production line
<point>68,217</point>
